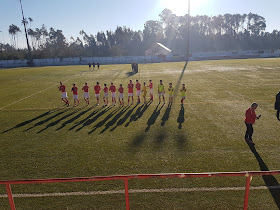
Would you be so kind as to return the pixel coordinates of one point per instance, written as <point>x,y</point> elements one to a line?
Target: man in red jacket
<point>250,118</point>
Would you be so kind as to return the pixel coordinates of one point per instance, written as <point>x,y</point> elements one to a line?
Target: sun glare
<point>180,7</point>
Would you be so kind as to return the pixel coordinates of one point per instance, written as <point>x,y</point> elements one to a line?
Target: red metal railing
<point>248,176</point>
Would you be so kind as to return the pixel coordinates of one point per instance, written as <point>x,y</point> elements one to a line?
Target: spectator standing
<point>277,105</point>
<point>250,118</point>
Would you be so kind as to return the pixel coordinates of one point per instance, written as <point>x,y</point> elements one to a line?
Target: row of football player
<point>113,89</point>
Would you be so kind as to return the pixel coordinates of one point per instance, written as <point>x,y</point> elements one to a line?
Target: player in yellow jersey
<point>161,91</point>
<point>144,91</point>
<point>183,93</point>
<point>170,93</point>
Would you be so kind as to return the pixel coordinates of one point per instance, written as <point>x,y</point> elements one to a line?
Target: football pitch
<point>41,138</point>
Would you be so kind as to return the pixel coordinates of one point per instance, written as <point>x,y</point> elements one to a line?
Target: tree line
<point>216,33</point>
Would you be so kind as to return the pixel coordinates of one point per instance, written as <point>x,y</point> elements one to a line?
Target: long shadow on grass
<point>58,121</point>
<point>122,120</point>
<point>87,118</point>
<point>182,141</point>
<point>138,140</point>
<point>166,115</point>
<point>268,179</point>
<point>30,121</point>
<point>92,120</point>
<point>180,78</point>
<point>102,122</point>
<point>114,120</point>
<point>133,116</point>
<point>181,117</point>
<point>129,74</point>
<point>74,118</point>
<point>146,106</point>
<point>48,119</point>
<point>153,117</point>
<point>139,113</point>
<point>160,137</point>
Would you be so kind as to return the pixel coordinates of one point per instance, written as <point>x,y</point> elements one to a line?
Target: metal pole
<point>246,197</point>
<point>188,41</point>
<point>126,193</point>
<point>26,36</point>
<point>10,196</point>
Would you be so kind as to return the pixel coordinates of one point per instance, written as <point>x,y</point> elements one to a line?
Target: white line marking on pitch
<point>22,78</point>
<point>165,190</point>
<point>27,97</point>
<point>31,95</point>
<point>231,81</point>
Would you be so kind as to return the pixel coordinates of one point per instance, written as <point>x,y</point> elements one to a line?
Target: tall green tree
<point>152,33</point>
<point>221,32</point>
<point>13,31</point>
<point>56,43</point>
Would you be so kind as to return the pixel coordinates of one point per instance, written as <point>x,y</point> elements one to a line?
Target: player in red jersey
<point>105,97</point>
<point>151,90</point>
<point>121,95</point>
<point>97,92</point>
<point>138,90</point>
<point>64,98</point>
<point>130,91</point>
<point>86,94</point>
<point>75,94</point>
<point>113,93</point>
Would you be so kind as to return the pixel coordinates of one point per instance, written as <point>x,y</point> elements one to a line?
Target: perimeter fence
<point>126,178</point>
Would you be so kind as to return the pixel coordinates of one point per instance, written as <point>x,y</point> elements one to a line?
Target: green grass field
<point>41,138</point>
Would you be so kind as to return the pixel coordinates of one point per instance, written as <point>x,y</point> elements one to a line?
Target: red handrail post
<point>10,196</point>
<point>126,194</point>
<point>247,188</point>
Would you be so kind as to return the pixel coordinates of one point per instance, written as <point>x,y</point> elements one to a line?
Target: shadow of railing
<point>269,180</point>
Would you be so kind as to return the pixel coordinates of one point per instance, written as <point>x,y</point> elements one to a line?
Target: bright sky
<point>71,16</point>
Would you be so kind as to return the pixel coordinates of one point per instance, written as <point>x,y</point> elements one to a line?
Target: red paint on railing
<point>247,188</point>
<point>248,176</point>
<point>10,196</point>
<point>126,194</point>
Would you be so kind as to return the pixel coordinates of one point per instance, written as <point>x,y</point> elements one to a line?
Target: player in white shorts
<point>75,94</point>
<point>113,93</point>
<point>86,94</point>
<point>64,95</point>
<point>97,91</point>
<point>151,90</point>
<point>64,98</point>
<point>105,97</point>
<point>130,91</point>
<point>121,95</point>
<point>138,90</point>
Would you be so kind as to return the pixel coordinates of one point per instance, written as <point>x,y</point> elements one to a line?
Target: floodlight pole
<point>26,36</point>
<point>188,32</point>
